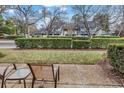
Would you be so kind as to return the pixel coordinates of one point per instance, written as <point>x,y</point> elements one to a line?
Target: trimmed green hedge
<point>74,38</point>
<point>78,44</point>
<point>116,56</point>
<point>43,42</point>
<point>80,38</point>
<point>66,42</point>
<point>13,37</point>
<point>106,36</point>
<point>104,42</point>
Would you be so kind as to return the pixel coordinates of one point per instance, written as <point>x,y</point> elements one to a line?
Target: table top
<point>20,73</point>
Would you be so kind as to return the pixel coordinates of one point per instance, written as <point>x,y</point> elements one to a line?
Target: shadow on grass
<point>2,55</point>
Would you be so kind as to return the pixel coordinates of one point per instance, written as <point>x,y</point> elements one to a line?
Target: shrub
<point>44,42</point>
<point>80,38</point>
<point>78,44</point>
<point>103,42</point>
<point>13,37</point>
<point>73,37</point>
<point>116,56</point>
<point>106,36</point>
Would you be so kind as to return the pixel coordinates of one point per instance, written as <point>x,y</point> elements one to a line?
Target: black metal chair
<point>5,70</point>
<point>38,73</point>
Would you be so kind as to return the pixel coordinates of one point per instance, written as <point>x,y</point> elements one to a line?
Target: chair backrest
<point>5,69</point>
<point>38,70</point>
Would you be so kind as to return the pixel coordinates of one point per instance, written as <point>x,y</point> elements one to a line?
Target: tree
<point>101,22</point>
<point>2,8</point>
<point>7,26</point>
<point>32,29</point>
<point>1,24</point>
<point>77,19</point>
<point>119,30</point>
<point>113,15</point>
<point>86,12</point>
<point>26,16</point>
<point>53,18</point>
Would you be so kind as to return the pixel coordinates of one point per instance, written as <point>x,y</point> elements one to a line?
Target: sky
<point>49,7</point>
<point>66,8</point>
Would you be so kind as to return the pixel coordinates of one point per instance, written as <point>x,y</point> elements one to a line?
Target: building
<point>72,29</point>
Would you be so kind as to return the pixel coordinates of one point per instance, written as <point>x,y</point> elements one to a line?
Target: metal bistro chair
<point>38,73</point>
<point>19,74</point>
<point>5,70</point>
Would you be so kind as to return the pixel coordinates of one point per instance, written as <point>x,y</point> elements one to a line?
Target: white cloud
<point>11,11</point>
<point>49,5</point>
<point>63,8</point>
<point>40,11</point>
<point>41,23</point>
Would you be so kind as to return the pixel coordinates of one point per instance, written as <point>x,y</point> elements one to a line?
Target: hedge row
<point>83,38</point>
<point>106,36</point>
<point>116,56</point>
<point>78,44</point>
<point>66,42</point>
<point>51,43</point>
<point>104,42</point>
<point>72,37</point>
<point>43,43</point>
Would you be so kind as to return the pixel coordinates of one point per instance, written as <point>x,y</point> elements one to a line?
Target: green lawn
<point>51,56</point>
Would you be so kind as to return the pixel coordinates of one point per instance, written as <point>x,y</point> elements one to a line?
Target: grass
<point>51,56</point>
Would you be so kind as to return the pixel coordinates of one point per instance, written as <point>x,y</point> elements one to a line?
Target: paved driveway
<point>7,44</point>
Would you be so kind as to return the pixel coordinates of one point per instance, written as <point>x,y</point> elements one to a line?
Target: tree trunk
<point>27,35</point>
<point>87,27</point>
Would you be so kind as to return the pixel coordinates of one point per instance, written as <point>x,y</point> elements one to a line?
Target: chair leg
<point>24,83</point>
<point>53,69</point>
<point>55,80</point>
<point>43,82</point>
<point>2,84</point>
<point>33,81</point>
<point>55,86</point>
<point>58,73</point>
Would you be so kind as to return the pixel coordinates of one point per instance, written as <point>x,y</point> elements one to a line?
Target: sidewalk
<point>7,43</point>
<point>76,76</point>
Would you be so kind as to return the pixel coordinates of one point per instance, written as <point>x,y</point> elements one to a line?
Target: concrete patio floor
<point>75,76</point>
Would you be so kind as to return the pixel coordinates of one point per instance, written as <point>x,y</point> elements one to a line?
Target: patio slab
<point>74,76</point>
<point>95,75</point>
